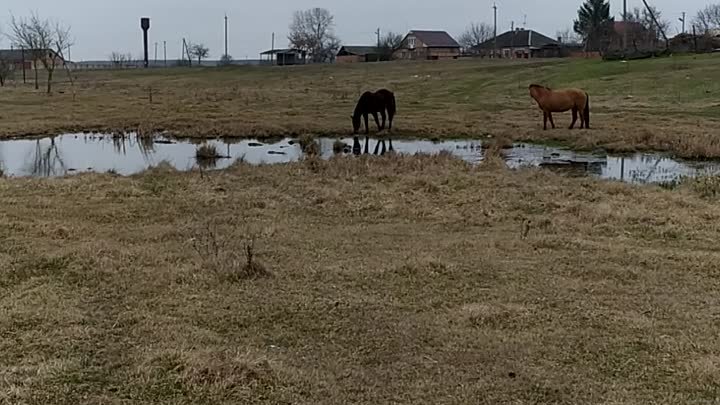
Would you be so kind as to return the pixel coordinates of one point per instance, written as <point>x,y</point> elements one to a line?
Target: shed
<point>284,57</point>
<point>354,54</point>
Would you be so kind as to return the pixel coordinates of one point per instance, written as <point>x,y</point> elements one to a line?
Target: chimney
<point>560,40</point>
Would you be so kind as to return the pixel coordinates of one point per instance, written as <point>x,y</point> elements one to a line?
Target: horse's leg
<point>367,124</point>
<point>575,117</point>
<point>545,119</point>
<point>377,121</point>
<point>384,118</point>
<point>552,122</point>
<point>367,145</point>
<point>391,146</point>
<point>377,148</point>
<point>384,150</point>
<point>390,120</point>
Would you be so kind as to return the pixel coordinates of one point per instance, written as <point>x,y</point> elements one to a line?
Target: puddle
<point>75,153</point>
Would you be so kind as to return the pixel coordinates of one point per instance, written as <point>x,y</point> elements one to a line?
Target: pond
<point>76,153</point>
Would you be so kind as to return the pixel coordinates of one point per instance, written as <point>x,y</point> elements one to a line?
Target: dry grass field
<point>669,104</point>
<point>393,280</point>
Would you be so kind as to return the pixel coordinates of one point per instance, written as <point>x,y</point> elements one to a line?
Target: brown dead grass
<point>396,280</point>
<point>667,104</point>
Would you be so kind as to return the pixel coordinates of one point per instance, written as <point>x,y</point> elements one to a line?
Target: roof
<point>358,50</point>
<point>279,51</point>
<point>621,27</point>
<point>435,39</point>
<point>518,38</point>
<point>16,55</point>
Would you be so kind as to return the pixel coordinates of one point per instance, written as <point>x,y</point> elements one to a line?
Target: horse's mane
<point>540,87</point>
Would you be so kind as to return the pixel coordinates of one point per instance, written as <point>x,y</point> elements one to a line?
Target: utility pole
<point>625,29</point>
<point>165,53</point>
<point>495,31</point>
<point>226,36</point>
<point>683,22</point>
<point>272,51</point>
<point>378,44</point>
<point>156,59</point>
<point>22,51</point>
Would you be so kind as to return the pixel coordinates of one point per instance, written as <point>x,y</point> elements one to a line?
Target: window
<point>411,42</point>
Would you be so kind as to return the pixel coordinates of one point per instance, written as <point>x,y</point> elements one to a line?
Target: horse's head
<point>537,90</point>
<point>356,123</point>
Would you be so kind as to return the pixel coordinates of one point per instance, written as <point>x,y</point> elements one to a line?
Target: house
<point>284,57</point>
<point>427,45</point>
<point>638,37</point>
<point>20,57</point>
<point>520,44</point>
<point>354,54</point>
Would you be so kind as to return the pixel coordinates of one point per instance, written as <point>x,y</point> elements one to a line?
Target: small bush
<point>309,145</point>
<point>340,147</point>
<point>220,256</point>
<point>706,186</point>
<point>207,151</point>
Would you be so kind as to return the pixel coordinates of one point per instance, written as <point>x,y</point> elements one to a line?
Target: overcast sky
<point>101,26</point>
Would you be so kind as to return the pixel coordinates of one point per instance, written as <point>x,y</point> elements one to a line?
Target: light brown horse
<point>551,101</point>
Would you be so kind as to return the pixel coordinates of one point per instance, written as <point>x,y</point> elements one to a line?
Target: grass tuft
<point>220,255</point>
<point>207,151</point>
<point>309,145</point>
<point>340,147</point>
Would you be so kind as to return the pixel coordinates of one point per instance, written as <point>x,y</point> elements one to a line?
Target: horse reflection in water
<point>381,147</point>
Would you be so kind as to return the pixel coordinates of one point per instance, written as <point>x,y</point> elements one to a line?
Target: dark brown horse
<point>551,101</point>
<point>381,101</point>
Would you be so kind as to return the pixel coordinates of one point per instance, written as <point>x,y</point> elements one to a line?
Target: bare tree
<point>389,43</point>
<point>199,51</point>
<point>313,31</point>
<point>120,59</point>
<point>45,41</point>
<point>226,60</point>
<point>708,18</point>
<point>6,69</point>
<point>475,34</point>
<point>568,36</point>
<point>644,18</point>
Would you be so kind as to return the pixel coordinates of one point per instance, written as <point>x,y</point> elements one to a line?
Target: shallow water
<point>74,153</point>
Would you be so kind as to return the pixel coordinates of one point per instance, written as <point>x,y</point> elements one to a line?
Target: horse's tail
<point>392,107</point>
<point>586,112</point>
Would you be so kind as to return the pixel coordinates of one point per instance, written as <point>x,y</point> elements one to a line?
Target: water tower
<point>145,25</point>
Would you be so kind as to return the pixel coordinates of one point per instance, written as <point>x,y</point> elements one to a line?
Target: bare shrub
<point>207,151</point>
<point>309,145</point>
<point>706,186</point>
<point>229,258</point>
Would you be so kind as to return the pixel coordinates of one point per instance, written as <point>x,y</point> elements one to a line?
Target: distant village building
<point>284,57</point>
<point>520,44</point>
<point>638,37</point>
<point>354,54</point>
<point>427,45</point>
<point>19,57</point>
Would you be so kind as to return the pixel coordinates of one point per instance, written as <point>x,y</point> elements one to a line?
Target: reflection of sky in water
<point>77,153</point>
